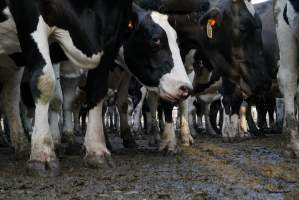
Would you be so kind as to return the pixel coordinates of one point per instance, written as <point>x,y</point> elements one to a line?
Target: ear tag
<point>209,31</point>
<point>130,24</point>
<point>210,25</point>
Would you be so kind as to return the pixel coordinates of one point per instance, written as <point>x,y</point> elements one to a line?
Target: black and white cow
<point>287,16</point>
<point>91,40</point>
<point>228,36</point>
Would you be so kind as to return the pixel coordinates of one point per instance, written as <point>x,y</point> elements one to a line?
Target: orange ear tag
<point>130,24</point>
<point>211,23</point>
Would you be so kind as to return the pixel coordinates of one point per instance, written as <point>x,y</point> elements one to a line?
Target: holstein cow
<point>89,38</point>
<point>228,35</point>
<point>287,16</point>
<point>234,48</point>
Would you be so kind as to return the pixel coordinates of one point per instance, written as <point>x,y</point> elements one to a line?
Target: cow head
<point>232,37</point>
<point>152,55</point>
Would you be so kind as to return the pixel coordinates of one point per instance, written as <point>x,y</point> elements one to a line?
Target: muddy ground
<point>211,169</point>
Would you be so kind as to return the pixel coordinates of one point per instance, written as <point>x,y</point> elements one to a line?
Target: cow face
<point>153,57</point>
<point>234,44</point>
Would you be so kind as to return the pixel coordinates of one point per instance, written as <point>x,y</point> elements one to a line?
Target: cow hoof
<point>68,138</point>
<point>186,142</point>
<point>22,154</point>
<point>43,169</point>
<point>130,144</point>
<point>168,147</point>
<point>60,150</point>
<point>230,139</point>
<point>153,142</point>
<point>98,161</point>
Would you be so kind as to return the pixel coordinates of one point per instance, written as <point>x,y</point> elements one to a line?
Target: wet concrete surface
<point>211,169</point>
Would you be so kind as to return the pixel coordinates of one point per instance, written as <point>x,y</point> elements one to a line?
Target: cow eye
<point>156,42</point>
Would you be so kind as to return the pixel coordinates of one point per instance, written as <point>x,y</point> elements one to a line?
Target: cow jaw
<point>171,82</point>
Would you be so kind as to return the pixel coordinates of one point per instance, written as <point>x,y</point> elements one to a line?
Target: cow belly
<point>9,42</point>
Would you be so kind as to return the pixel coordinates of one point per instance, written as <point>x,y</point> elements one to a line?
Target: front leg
<point>122,105</point>
<point>186,137</point>
<point>94,142</point>
<point>35,47</point>
<point>168,140</point>
<point>97,153</point>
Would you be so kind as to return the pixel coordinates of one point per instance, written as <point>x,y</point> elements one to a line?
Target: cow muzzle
<point>178,95</point>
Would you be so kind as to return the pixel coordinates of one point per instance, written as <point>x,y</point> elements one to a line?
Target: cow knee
<point>45,85</point>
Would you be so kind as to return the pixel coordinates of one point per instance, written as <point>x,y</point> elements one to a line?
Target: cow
<point>287,27</point>
<point>90,40</point>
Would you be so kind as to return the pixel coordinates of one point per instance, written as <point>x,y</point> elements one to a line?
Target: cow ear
<point>137,14</point>
<point>211,20</point>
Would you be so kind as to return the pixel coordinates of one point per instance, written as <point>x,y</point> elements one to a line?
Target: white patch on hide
<point>95,139</point>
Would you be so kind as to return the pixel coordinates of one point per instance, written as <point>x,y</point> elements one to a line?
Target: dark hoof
<point>109,145</point>
<point>258,133</point>
<point>68,138</point>
<point>60,150</point>
<point>43,169</point>
<point>130,144</point>
<point>153,143</point>
<point>74,149</point>
<point>98,161</point>
<point>230,139</point>
<point>174,152</point>
<point>22,154</point>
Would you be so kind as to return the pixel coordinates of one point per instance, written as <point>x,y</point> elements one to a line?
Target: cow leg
<point>43,161</point>
<point>186,137</point>
<point>200,109</point>
<point>252,127</point>
<point>96,150</point>
<point>137,128</point>
<point>280,110</point>
<point>122,104</point>
<point>231,104</point>
<point>69,94</point>
<point>161,116</point>
<point>168,140</point>
<point>214,109</point>
<point>153,126</point>
<point>244,127</point>
<point>192,116</point>
<point>209,127</point>
<point>261,115</point>
<point>11,100</point>
<point>97,153</point>
<point>55,109</point>
<point>271,109</point>
<point>287,79</point>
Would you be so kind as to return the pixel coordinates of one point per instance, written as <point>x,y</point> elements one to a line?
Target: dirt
<point>211,169</point>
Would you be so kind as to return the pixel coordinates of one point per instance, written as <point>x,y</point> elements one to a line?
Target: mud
<point>211,169</point>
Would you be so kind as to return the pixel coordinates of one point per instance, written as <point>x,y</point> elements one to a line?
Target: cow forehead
<point>162,21</point>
